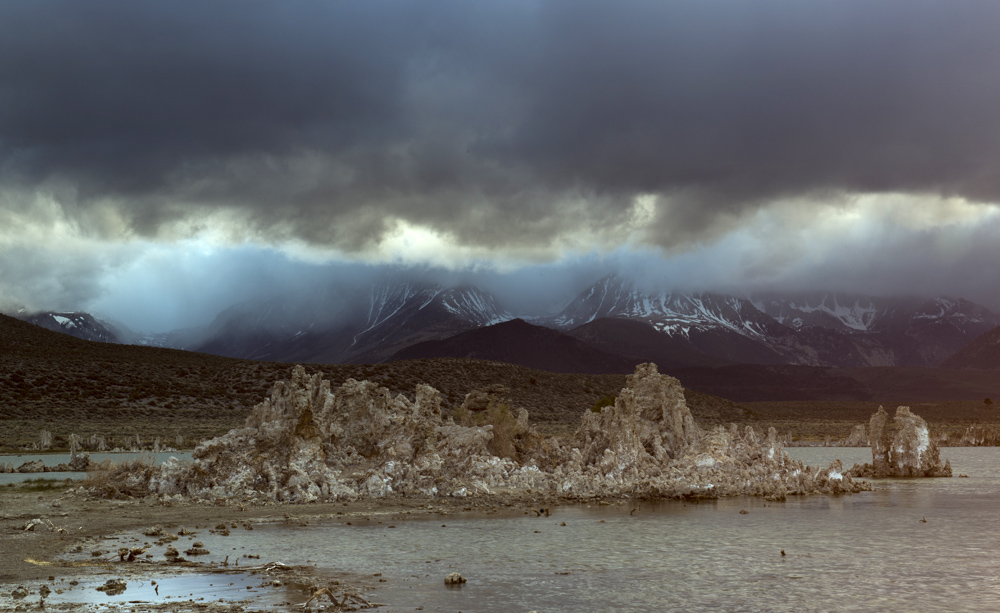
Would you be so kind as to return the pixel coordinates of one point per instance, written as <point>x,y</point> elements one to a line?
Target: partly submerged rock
<point>113,587</point>
<point>901,448</point>
<point>33,466</point>
<point>80,463</point>
<point>306,443</point>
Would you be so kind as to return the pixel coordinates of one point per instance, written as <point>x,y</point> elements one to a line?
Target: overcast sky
<point>159,161</point>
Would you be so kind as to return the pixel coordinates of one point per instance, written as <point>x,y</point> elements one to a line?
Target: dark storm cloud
<point>502,124</point>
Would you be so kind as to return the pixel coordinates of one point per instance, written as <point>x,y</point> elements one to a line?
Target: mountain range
<point>608,327</point>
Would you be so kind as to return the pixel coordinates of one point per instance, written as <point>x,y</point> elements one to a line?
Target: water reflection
<point>866,551</point>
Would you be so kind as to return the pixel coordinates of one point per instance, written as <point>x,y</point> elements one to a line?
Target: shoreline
<point>31,557</point>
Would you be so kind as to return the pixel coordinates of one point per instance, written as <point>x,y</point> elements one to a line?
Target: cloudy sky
<point>159,161</point>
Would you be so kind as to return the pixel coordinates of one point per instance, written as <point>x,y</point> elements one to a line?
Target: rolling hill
<point>518,342</point>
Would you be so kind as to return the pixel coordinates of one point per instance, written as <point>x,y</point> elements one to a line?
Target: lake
<point>916,544</point>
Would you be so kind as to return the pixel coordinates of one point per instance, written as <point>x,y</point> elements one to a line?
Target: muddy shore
<point>32,557</point>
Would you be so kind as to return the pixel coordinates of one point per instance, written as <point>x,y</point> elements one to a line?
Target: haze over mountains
<point>608,327</point>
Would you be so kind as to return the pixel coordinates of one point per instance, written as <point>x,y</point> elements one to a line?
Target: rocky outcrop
<point>306,443</point>
<point>648,444</point>
<point>857,438</point>
<point>901,447</point>
<point>979,435</point>
<point>481,399</point>
<point>80,463</point>
<point>34,466</point>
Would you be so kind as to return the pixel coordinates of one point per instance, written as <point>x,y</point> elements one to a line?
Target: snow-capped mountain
<point>820,329</point>
<point>365,325</point>
<point>834,311</point>
<point>855,313</point>
<point>80,325</point>
<point>371,323</point>
<point>404,301</point>
<point>672,314</point>
<point>921,331</point>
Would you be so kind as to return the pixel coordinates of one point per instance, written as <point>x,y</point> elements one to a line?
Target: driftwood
<point>348,597</point>
<point>31,525</point>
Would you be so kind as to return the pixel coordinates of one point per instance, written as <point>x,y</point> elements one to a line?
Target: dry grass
<point>506,430</point>
<point>40,484</point>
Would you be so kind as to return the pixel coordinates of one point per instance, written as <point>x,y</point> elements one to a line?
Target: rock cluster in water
<point>79,463</point>
<point>306,443</point>
<point>901,447</point>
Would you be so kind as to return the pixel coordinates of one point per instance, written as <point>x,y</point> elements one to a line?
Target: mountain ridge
<point>375,322</point>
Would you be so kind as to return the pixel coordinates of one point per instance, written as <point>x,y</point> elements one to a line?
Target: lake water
<point>863,552</point>
<point>52,459</point>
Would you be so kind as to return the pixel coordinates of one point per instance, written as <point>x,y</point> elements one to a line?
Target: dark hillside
<point>641,342</point>
<point>518,342</point>
<point>67,385</point>
<point>981,353</point>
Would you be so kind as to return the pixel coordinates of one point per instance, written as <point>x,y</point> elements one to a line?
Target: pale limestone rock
<point>648,424</point>
<point>306,443</point>
<point>648,444</point>
<point>901,448</point>
<point>454,579</point>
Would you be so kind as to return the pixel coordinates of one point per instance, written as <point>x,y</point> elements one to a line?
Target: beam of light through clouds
<point>176,154</point>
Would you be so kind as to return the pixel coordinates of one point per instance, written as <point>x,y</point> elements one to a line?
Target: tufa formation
<point>901,448</point>
<point>307,443</point>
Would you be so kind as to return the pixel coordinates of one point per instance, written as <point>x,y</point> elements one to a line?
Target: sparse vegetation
<point>511,438</point>
<point>41,485</point>
<point>603,401</point>
<point>107,394</point>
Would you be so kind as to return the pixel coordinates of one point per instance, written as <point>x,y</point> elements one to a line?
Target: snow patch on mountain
<point>674,314</point>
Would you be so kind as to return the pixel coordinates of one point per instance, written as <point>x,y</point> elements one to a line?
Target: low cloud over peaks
<point>495,135</point>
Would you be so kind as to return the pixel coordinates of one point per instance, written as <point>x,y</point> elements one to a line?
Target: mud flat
<point>46,555</point>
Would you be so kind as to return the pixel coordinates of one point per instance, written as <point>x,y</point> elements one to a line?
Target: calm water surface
<point>864,552</point>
